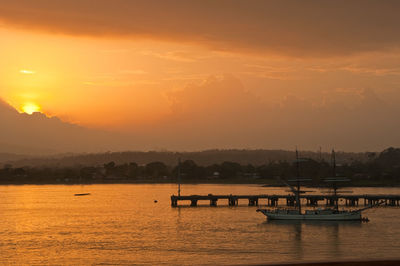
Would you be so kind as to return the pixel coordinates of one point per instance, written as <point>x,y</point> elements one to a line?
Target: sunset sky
<point>191,75</point>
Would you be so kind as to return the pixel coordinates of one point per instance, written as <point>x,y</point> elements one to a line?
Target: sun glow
<point>30,108</point>
<point>25,71</point>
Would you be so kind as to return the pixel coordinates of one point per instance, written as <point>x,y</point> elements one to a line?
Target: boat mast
<point>179,176</point>
<point>334,188</point>
<point>334,179</point>
<point>298,181</point>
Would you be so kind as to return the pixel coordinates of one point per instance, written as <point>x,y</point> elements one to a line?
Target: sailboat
<point>327,214</point>
<point>81,194</point>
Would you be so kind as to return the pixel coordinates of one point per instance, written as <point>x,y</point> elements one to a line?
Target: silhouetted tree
<point>109,167</point>
<point>87,173</point>
<point>230,169</point>
<point>156,169</point>
<point>133,170</point>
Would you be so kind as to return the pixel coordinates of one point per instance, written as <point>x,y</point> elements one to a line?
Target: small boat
<point>327,214</point>
<point>82,194</point>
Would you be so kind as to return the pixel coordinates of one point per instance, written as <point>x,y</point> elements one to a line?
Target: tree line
<point>380,169</point>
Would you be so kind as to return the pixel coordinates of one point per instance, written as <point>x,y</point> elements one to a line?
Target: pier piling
<point>213,202</point>
<point>193,203</point>
<point>253,201</point>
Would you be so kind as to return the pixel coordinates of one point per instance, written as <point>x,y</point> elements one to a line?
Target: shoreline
<point>338,263</point>
<point>156,182</point>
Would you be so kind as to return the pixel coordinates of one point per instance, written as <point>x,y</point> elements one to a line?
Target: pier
<point>288,200</point>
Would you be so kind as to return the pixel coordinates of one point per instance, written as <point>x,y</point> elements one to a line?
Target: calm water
<point>121,224</point>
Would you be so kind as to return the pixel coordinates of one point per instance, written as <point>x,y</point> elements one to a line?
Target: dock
<point>288,200</point>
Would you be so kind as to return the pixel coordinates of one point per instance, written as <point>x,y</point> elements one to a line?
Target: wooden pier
<point>289,200</point>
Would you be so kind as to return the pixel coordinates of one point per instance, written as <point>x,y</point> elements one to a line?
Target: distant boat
<point>82,194</point>
<point>327,214</point>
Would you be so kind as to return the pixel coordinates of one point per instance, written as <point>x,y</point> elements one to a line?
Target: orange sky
<point>259,71</point>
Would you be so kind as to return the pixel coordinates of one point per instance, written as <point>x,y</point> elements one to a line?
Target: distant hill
<point>7,157</point>
<point>389,158</point>
<point>209,157</point>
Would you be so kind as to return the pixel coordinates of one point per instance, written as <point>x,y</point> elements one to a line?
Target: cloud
<point>133,72</point>
<point>270,72</point>
<point>220,113</point>
<point>372,71</point>
<point>180,56</point>
<point>217,96</point>
<point>293,28</point>
<point>38,133</point>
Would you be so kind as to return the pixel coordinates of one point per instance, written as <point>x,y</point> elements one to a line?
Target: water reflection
<point>120,224</point>
<point>304,235</point>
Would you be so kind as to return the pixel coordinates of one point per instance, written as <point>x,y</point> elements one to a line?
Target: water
<point>121,224</point>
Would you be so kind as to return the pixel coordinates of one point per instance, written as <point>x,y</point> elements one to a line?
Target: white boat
<point>327,214</point>
<point>319,214</point>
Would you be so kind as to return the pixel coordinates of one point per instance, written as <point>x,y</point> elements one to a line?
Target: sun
<point>30,108</point>
<point>25,71</point>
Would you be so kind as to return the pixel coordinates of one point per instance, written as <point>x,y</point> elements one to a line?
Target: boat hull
<point>345,216</point>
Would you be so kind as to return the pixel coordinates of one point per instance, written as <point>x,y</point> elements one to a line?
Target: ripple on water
<point>120,224</point>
